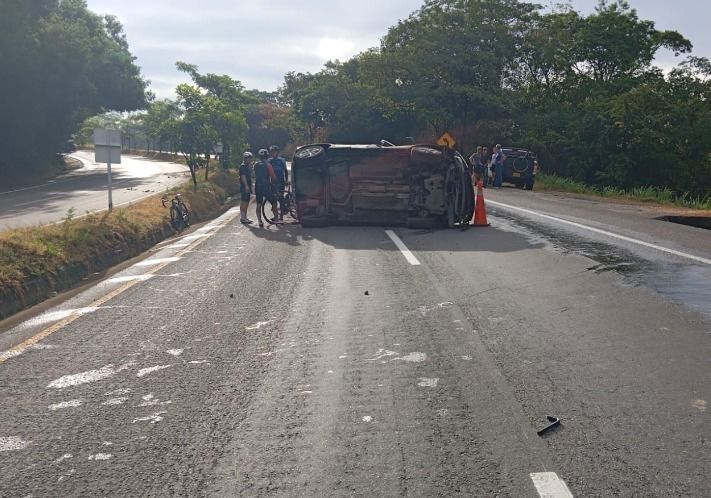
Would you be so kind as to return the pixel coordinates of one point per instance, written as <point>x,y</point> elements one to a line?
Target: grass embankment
<point>30,253</point>
<point>644,194</point>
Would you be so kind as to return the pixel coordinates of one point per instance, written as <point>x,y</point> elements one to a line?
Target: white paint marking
<point>87,377</point>
<point>55,316</point>
<point>66,456</point>
<point>157,261</point>
<point>175,352</point>
<point>414,357</point>
<point>108,443</point>
<point>343,357</point>
<point>12,443</point>
<point>118,392</point>
<point>549,485</point>
<point>427,382</point>
<point>382,353</point>
<point>699,404</point>
<point>403,248</point>
<point>66,404</point>
<point>153,419</point>
<point>129,278</point>
<point>698,259</point>
<point>330,371</point>
<point>367,419</point>
<point>101,456</point>
<point>145,371</point>
<point>198,362</point>
<point>68,474</point>
<point>190,238</point>
<point>258,325</point>
<point>467,357</point>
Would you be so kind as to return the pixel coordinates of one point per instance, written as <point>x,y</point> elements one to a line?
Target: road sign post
<point>107,149</point>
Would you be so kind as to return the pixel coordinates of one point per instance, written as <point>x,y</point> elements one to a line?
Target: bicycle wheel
<point>269,208</point>
<point>292,207</point>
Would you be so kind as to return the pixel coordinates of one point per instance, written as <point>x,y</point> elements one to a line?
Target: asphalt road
<point>242,361</point>
<point>85,190</point>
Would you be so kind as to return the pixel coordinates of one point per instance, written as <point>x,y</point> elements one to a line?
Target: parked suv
<point>519,168</point>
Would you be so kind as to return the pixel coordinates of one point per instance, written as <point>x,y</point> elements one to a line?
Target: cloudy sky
<point>258,41</point>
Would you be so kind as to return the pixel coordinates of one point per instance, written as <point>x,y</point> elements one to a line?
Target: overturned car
<point>419,186</point>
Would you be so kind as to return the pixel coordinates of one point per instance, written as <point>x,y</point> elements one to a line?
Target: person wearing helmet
<point>265,180</point>
<point>245,179</point>
<point>282,174</point>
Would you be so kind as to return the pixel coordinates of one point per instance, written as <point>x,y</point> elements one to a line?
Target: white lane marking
<point>66,404</point>
<point>382,353</point>
<point>12,443</point>
<point>698,259</point>
<point>403,248</point>
<point>367,419</point>
<point>258,325</point>
<point>66,456</point>
<point>128,278</point>
<point>100,456</point>
<point>175,352</point>
<point>427,382</point>
<point>157,261</point>
<point>55,316</point>
<point>153,419</point>
<point>467,357</point>
<point>414,357</point>
<point>87,377</point>
<point>197,362</point>
<point>145,371</point>
<point>549,485</point>
<point>118,392</point>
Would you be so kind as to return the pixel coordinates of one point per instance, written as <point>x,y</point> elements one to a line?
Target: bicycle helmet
<point>273,148</point>
<point>263,153</point>
<point>247,155</point>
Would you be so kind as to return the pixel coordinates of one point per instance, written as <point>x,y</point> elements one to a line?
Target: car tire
<point>529,185</point>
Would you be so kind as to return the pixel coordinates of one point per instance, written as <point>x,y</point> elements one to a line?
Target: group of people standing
<point>488,169</point>
<point>270,178</point>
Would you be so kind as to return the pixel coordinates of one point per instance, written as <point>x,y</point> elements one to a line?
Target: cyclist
<point>282,177</point>
<point>245,179</point>
<point>265,179</point>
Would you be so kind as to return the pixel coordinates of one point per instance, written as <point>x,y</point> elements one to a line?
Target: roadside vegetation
<point>659,195</point>
<point>30,253</point>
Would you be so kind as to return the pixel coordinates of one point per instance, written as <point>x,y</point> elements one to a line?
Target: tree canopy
<point>61,63</point>
<point>581,91</point>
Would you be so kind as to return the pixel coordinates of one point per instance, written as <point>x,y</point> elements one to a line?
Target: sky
<point>259,41</point>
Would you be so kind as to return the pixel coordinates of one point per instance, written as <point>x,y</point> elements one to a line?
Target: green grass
<point>660,195</point>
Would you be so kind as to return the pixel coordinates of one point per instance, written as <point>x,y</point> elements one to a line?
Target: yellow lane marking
<point>22,347</point>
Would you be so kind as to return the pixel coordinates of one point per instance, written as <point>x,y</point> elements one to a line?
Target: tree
<point>61,63</point>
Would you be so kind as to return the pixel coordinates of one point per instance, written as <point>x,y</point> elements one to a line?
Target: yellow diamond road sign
<point>447,139</point>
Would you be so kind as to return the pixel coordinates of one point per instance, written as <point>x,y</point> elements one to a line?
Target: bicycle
<point>179,213</point>
<point>285,201</point>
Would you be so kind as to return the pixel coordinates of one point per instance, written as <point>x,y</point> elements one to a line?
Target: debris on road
<point>554,422</point>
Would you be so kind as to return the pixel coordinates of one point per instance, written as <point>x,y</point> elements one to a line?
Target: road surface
<point>355,361</point>
<point>86,190</point>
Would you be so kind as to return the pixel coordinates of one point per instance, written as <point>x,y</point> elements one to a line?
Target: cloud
<point>255,42</point>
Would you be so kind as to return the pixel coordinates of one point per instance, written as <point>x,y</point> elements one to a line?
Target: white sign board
<point>107,146</point>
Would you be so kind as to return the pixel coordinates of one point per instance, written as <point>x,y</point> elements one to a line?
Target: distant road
<point>85,190</point>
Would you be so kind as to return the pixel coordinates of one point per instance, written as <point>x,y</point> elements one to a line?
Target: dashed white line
<point>403,248</point>
<point>656,247</point>
<point>549,485</point>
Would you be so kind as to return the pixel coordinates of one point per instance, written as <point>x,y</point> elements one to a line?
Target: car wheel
<point>529,185</point>
<point>309,152</point>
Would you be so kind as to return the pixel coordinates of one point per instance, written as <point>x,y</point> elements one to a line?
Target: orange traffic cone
<point>480,207</point>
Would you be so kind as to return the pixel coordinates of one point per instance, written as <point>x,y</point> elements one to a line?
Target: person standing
<point>497,161</point>
<point>282,177</point>
<point>264,182</point>
<point>477,162</point>
<point>245,180</point>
